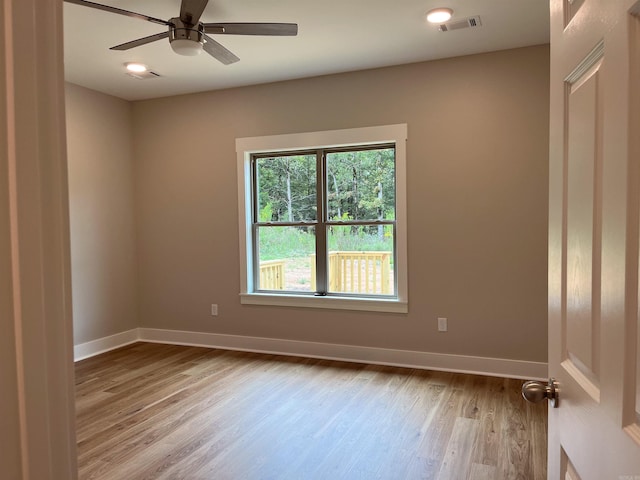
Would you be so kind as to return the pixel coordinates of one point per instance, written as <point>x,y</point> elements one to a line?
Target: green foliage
<point>359,238</point>
<point>292,242</point>
<point>286,242</point>
<point>266,213</point>
<point>359,184</point>
<point>288,185</point>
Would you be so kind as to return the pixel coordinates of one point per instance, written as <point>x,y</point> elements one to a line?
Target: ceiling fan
<point>188,35</point>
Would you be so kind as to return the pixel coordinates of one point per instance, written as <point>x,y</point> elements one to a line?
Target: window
<point>323,219</point>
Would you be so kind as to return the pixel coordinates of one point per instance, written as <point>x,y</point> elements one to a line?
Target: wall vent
<point>143,75</point>
<point>470,22</point>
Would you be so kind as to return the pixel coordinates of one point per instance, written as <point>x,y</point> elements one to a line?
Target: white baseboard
<point>102,345</point>
<point>496,367</point>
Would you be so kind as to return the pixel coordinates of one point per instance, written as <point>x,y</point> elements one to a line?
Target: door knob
<point>534,391</point>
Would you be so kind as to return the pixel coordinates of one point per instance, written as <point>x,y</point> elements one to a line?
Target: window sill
<point>335,303</point>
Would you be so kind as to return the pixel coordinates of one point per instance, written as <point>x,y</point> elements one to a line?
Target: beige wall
<point>477,194</point>
<point>104,270</point>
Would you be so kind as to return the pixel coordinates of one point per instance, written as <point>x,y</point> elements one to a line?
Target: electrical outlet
<point>442,324</point>
<point>214,310</point>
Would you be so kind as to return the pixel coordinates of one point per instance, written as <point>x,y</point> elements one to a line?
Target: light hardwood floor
<point>151,411</point>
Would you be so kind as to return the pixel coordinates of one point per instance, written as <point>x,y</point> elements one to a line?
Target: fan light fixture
<point>439,15</point>
<point>185,47</point>
<point>135,67</point>
<point>188,35</point>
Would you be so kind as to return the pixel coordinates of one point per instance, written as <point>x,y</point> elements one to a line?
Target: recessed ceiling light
<point>135,67</point>
<point>439,15</point>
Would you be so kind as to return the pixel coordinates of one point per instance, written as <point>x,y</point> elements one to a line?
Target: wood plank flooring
<point>151,411</point>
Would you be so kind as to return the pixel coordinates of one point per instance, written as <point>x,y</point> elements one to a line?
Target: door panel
<point>568,470</point>
<point>583,287</point>
<point>594,217</point>
<point>570,8</point>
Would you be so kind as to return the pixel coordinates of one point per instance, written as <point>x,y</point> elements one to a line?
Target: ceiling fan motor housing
<point>186,39</point>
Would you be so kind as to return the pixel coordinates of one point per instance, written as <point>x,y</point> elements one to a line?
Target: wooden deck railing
<point>357,272</point>
<point>349,272</point>
<point>272,275</point>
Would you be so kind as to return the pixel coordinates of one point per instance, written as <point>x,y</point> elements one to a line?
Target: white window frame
<point>384,134</point>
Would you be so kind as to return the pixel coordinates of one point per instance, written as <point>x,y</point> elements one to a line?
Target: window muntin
<point>328,215</point>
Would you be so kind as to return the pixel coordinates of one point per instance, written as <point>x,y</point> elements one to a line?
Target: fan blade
<point>119,11</point>
<point>141,41</point>
<point>217,51</point>
<point>191,11</point>
<point>278,29</point>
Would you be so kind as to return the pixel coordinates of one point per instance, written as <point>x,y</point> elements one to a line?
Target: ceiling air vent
<point>143,75</point>
<point>470,22</point>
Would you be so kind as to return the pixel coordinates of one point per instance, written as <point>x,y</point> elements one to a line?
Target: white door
<point>593,239</point>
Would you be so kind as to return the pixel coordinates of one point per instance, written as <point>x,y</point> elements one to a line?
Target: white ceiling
<point>334,36</point>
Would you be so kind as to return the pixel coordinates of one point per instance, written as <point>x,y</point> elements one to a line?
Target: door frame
<point>37,413</point>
